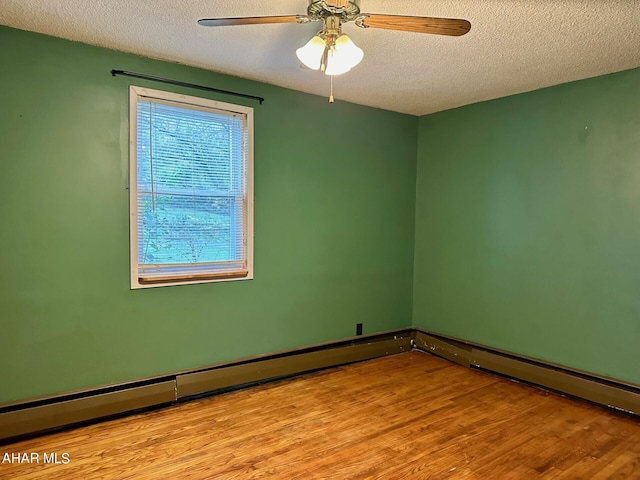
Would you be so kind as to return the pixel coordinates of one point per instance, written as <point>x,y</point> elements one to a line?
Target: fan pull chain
<point>331,92</point>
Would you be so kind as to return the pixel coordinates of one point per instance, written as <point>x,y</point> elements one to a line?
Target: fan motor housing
<point>346,10</point>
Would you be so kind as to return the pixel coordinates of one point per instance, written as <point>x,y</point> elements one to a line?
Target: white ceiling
<point>513,46</point>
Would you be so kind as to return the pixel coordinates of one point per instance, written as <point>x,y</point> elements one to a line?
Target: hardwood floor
<point>411,415</point>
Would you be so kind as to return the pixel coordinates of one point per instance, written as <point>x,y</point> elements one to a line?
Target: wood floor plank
<point>408,416</point>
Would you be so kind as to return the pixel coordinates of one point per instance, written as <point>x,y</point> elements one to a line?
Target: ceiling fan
<point>333,52</point>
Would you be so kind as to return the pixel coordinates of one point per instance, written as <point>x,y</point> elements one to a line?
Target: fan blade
<point>223,22</point>
<point>436,26</point>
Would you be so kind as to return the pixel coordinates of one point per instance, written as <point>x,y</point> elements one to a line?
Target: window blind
<point>191,192</point>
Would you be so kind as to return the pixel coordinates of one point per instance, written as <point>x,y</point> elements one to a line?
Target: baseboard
<point>603,391</point>
<point>38,416</point>
<point>263,369</point>
<point>42,415</point>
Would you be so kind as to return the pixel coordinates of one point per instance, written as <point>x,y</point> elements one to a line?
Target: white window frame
<point>137,93</point>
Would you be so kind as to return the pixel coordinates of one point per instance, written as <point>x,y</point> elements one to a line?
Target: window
<point>191,189</point>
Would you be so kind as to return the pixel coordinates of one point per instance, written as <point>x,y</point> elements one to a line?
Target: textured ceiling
<point>513,46</point>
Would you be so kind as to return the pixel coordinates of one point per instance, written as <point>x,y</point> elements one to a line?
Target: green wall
<point>334,226</point>
<point>528,224</point>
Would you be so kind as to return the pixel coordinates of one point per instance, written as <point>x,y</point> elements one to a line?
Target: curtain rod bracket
<point>183,84</point>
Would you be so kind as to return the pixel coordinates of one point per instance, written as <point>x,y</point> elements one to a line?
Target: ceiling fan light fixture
<point>343,56</point>
<point>311,53</point>
<point>331,54</point>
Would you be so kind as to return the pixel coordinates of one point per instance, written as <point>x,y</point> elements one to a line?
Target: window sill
<point>199,277</point>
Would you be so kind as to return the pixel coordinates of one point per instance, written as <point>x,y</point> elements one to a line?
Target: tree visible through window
<point>191,161</point>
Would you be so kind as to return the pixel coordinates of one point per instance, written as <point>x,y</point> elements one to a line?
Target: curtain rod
<point>183,84</point>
